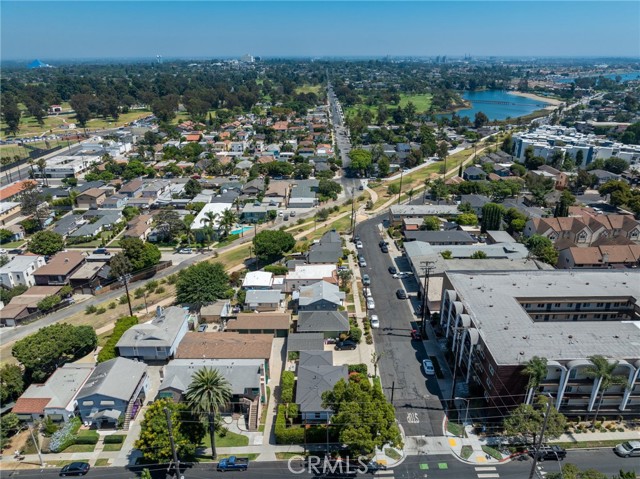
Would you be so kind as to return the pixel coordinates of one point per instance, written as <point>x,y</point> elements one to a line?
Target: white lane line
<point>485,468</point>
<point>495,474</point>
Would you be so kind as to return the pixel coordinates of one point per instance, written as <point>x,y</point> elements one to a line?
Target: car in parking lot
<point>392,270</point>
<point>375,321</point>
<point>428,368</point>
<point>75,469</point>
<point>293,214</point>
<point>346,345</point>
<point>401,294</point>
<point>628,449</point>
<point>546,453</point>
<point>371,304</point>
<point>366,280</point>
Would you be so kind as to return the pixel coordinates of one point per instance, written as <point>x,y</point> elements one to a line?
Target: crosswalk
<point>486,471</point>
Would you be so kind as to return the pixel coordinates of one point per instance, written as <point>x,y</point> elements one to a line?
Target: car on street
<point>366,280</point>
<point>293,214</point>
<point>384,249</point>
<point>428,368</point>
<point>3,251</point>
<point>286,218</point>
<point>628,449</point>
<point>401,294</point>
<point>549,453</point>
<point>185,251</point>
<point>392,270</point>
<point>371,304</point>
<point>75,469</point>
<point>15,251</point>
<point>375,321</point>
<point>356,238</point>
<point>367,293</point>
<point>359,245</point>
<point>415,335</point>
<point>345,345</point>
<point>382,243</point>
<point>362,262</point>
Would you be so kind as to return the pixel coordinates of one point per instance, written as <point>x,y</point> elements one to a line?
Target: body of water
<point>623,77</point>
<point>497,105</point>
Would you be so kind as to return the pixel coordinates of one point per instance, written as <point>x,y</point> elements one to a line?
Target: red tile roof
<point>30,405</point>
<point>12,190</point>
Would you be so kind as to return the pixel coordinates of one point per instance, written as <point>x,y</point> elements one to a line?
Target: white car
<point>375,322</point>
<point>427,365</point>
<point>359,245</point>
<point>371,304</point>
<point>3,251</point>
<point>367,293</point>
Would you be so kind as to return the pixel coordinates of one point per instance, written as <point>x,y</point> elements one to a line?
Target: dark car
<point>75,469</point>
<point>382,243</point>
<point>356,238</point>
<point>553,453</point>
<point>392,270</point>
<point>401,294</point>
<point>345,345</point>
<point>415,335</point>
<point>15,251</point>
<point>384,249</point>
<point>101,251</point>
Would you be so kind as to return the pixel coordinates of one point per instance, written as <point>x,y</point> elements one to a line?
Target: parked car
<point>427,365</point>
<point>345,345</point>
<point>367,293</point>
<point>286,218</point>
<point>362,262</point>
<point>628,449</point>
<point>366,280</point>
<point>415,335</point>
<point>293,214</point>
<point>375,322</point>
<point>16,251</point>
<point>3,252</point>
<point>359,245</point>
<point>233,463</point>
<point>75,469</point>
<point>545,453</point>
<point>356,238</point>
<point>384,249</point>
<point>383,243</point>
<point>101,251</point>
<point>392,270</point>
<point>185,251</point>
<point>371,304</point>
<point>401,294</point>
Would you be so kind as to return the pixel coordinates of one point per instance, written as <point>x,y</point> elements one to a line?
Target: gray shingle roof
<point>318,291</point>
<point>314,321</point>
<point>161,332</point>
<point>116,378</point>
<point>305,342</point>
<point>314,379</point>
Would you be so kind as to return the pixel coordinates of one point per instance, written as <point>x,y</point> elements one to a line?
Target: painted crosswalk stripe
<point>485,468</point>
<point>385,473</point>
<point>492,474</point>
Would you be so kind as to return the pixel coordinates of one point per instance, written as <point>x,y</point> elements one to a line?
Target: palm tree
<point>210,219</point>
<point>601,370</point>
<point>536,369</point>
<point>206,394</point>
<point>227,221</point>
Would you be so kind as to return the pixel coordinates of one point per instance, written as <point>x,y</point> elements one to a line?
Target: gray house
<point>327,250</point>
<point>316,374</point>
<point>157,340</point>
<point>320,296</point>
<point>115,391</point>
<point>263,300</point>
<point>330,323</point>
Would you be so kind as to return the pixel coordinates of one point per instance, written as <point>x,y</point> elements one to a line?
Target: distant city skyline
<point>50,30</point>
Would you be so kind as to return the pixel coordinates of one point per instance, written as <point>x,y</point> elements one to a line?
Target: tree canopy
<point>526,421</point>
<point>46,243</point>
<point>272,244</point>
<point>140,254</point>
<point>11,382</point>
<point>542,248</point>
<point>202,283</point>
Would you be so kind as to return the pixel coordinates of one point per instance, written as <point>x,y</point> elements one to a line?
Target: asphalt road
<point>415,396</point>
<point>413,467</point>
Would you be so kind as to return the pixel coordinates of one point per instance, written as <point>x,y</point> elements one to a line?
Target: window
<point>317,415</point>
<point>600,305</point>
<point>107,403</point>
<point>569,305</point>
<point>583,316</point>
<point>87,403</point>
<point>491,370</point>
<point>597,316</point>
<point>556,305</point>
<point>540,305</point>
<point>586,305</point>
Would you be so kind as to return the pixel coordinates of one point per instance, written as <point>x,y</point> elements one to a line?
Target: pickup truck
<point>233,463</point>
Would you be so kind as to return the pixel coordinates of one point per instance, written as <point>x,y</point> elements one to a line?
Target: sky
<point>50,30</point>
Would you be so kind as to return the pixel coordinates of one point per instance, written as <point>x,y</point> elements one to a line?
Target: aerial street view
<point>342,239</point>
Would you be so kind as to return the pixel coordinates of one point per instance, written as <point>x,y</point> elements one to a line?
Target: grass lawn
<point>232,258</point>
<point>80,448</point>
<point>455,429</point>
<point>392,453</point>
<point>102,463</point>
<point>13,244</point>
<point>231,439</point>
<point>309,89</point>
<point>65,462</point>
<point>421,102</point>
<point>283,456</point>
<point>112,447</point>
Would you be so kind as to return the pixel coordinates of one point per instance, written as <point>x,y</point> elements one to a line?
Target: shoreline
<point>532,96</point>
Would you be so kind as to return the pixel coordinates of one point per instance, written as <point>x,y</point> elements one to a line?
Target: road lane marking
<point>495,474</point>
<point>485,468</point>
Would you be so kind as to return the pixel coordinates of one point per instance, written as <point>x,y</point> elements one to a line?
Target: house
<point>612,256</point>
<point>9,210</point>
<point>278,189</point>
<point>139,227</point>
<point>56,398</point>
<point>59,268</point>
<point>276,324</point>
<point>303,194</point>
<point>210,210</point>
<point>116,201</point>
<point>304,275</point>
<point>88,277</point>
<point>320,296</point>
<point>263,300</point>
<point>299,342</point>
<point>91,198</point>
<point>326,251</point>
<point>20,270</point>
<point>603,176</point>
<point>474,173</point>
<point>246,378</point>
<point>452,237</point>
<point>253,187</point>
<point>476,202</point>
<point>154,190</point>
<point>412,224</point>
<point>132,188</point>
<point>22,307</point>
<point>158,339</point>
<point>216,312</point>
<point>226,345</point>
<point>315,375</point>
<point>16,230</point>
<point>257,280</point>
<point>114,393</point>
<point>560,178</point>
<point>330,323</point>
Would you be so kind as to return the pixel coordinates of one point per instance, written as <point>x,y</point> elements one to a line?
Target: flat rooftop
<point>493,302</point>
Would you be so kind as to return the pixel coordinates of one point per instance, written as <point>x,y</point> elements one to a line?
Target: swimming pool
<point>238,231</point>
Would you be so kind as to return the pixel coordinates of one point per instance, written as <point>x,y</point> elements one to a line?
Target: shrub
<point>112,305</point>
<point>286,386</point>
<point>358,368</point>
<point>138,293</point>
<point>65,436</point>
<point>101,310</point>
<point>122,299</point>
<point>114,439</point>
<point>276,269</point>
<point>284,434</point>
<point>369,339</point>
<point>87,437</point>
<point>151,285</point>
<point>355,334</point>
<point>172,278</point>
<point>90,309</point>
<point>292,410</point>
<point>109,349</point>
<point>160,290</point>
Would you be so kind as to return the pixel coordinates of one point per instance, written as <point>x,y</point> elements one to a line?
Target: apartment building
<point>495,322</point>
<point>19,271</point>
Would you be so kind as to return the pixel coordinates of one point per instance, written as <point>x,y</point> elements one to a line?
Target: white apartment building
<point>19,271</point>
<point>67,166</point>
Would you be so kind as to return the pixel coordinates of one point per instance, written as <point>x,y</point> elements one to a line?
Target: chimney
<point>605,258</point>
<point>66,260</point>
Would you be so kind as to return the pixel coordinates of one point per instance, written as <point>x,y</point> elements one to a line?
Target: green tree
<point>49,302</point>
<point>353,400</point>
<point>11,114</point>
<point>140,254</point>
<point>303,171</point>
<point>227,221</point>
<point>562,206</point>
<point>536,370</point>
<point>602,371</point>
<point>192,188</point>
<point>480,120</point>
<point>542,248</point>
<point>7,294</point>
<point>328,189</point>
<point>5,236</point>
<point>383,167</point>
<point>170,223</point>
<point>11,383</point>
<point>492,214</point>
<point>615,165</point>
<point>9,425</point>
<point>108,351</point>
<point>208,392</point>
<point>52,346</point>
<point>526,421</point>
<point>360,160</point>
<point>269,245</point>
<point>479,255</point>
<point>153,441</point>
<point>202,283</point>
<point>431,223</point>
<point>46,243</point>
<point>467,219</point>
<point>619,192</point>
<point>439,189</point>
<point>539,187</point>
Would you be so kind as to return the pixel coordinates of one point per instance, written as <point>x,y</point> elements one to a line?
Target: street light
<point>466,410</point>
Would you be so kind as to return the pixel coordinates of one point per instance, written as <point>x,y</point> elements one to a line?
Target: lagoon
<point>497,105</point>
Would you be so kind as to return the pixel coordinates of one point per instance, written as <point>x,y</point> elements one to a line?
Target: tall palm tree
<point>536,369</point>
<point>206,394</point>
<point>227,221</point>
<point>602,370</point>
<point>210,219</point>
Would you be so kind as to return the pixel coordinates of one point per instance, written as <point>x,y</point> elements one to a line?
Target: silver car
<point>628,449</point>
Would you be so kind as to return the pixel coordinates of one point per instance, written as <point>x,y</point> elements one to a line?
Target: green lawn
<point>112,447</point>
<point>102,463</point>
<point>231,439</point>
<point>421,102</point>
<point>80,448</point>
<point>309,89</point>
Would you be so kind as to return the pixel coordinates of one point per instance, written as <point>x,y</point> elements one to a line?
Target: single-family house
<point>326,251</point>
<point>263,300</point>
<point>276,324</point>
<point>56,398</point>
<point>451,237</point>
<point>158,339</point>
<point>476,202</point>
<point>132,188</point>
<point>139,227</point>
<point>305,342</point>
<point>59,269</point>
<point>330,323</point>
<point>116,201</point>
<point>320,296</point>
<point>257,280</point>
<point>115,392</point>
<point>20,271</point>
<point>474,173</point>
<point>88,277</point>
<point>91,198</point>
<point>253,187</point>
<point>216,312</point>
<point>315,375</point>
<point>304,275</point>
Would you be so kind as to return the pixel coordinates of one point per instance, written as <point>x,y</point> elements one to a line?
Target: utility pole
<point>400,192</point>
<point>427,266</point>
<point>353,215</point>
<point>176,461</point>
<point>125,280</point>
<point>393,388</point>
<point>35,443</point>
<point>541,438</point>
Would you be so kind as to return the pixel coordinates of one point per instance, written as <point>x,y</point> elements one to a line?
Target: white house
<point>201,221</point>
<point>258,280</point>
<point>19,271</point>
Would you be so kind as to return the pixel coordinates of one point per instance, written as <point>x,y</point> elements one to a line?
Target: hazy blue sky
<point>111,29</point>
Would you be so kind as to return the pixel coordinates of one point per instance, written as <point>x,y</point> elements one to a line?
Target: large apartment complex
<point>496,322</point>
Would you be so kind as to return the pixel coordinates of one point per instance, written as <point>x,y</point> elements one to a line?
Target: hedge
<point>284,434</point>
<point>87,437</point>
<point>109,349</point>
<point>358,368</point>
<point>286,386</point>
<point>114,439</point>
